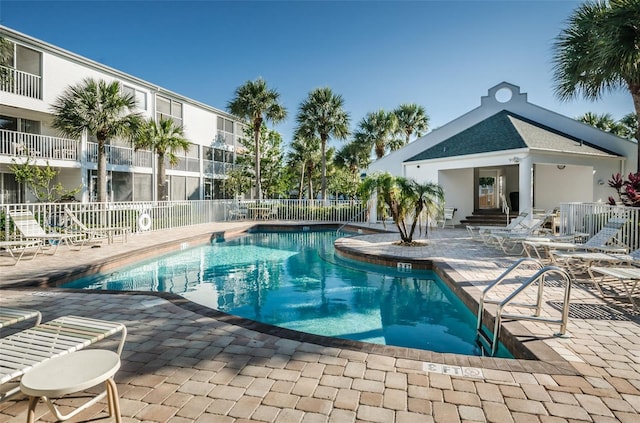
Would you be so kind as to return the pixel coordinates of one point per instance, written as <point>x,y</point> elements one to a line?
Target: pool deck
<point>186,363</point>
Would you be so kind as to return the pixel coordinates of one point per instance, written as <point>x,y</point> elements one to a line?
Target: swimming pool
<point>295,280</point>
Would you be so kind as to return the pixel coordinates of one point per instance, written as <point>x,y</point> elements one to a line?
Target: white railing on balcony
<point>21,83</point>
<point>122,156</point>
<point>591,217</point>
<point>14,143</point>
<point>176,214</point>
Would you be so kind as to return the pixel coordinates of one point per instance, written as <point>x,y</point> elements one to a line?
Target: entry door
<point>487,190</point>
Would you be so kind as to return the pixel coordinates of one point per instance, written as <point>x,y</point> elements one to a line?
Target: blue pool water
<point>294,280</point>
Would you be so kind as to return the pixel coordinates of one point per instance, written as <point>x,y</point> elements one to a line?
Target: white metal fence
<point>591,217</point>
<point>153,216</point>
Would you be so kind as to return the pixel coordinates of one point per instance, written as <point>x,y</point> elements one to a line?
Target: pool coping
<point>543,359</point>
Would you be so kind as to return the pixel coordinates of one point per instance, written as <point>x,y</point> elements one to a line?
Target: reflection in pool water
<point>294,280</point>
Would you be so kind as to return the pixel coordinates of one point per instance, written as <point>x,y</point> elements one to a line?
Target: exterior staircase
<point>487,217</point>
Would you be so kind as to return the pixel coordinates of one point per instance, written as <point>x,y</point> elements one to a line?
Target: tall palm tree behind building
<point>256,103</point>
<point>412,120</point>
<point>165,138</point>
<point>322,115</point>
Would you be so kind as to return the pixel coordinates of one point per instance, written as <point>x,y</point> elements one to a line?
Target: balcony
<point>120,156</point>
<point>14,143</point>
<point>21,83</point>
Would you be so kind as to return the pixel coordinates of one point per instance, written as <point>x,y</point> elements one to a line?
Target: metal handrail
<point>351,220</point>
<point>539,277</point>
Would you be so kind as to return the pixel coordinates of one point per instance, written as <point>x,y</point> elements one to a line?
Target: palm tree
<point>604,122</point>
<point>412,119</point>
<point>322,115</point>
<point>255,102</point>
<point>377,131</point>
<point>165,138</point>
<point>303,155</point>
<point>598,52</point>
<point>404,198</point>
<point>353,156</point>
<point>100,109</point>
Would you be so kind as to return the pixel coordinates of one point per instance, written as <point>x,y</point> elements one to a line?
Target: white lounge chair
<point>447,217</point>
<point>477,232</point>
<point>628,277</point>
<point>577,262</point>
<point>25,349</point>
<point>601,241</point>
<point>95,233</point>
<point>16,249</point>
<point>30,229</point>
<point>11,315</point>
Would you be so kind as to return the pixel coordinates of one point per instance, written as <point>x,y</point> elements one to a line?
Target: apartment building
<point>38,73</point>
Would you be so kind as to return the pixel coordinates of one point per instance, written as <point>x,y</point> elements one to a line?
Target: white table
<point>71,373</point>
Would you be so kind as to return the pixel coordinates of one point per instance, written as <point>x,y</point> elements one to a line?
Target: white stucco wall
<point>553,186</point>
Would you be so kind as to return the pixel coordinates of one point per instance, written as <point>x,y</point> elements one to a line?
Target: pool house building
<point>511,153</point>
<point>38,73</point>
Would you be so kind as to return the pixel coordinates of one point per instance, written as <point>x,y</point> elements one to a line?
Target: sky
<point>443,55</point>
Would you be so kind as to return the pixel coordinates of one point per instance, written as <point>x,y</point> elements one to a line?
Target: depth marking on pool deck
<point>444,369</point>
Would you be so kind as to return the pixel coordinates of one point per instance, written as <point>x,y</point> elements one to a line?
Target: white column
<point>373,209</point>
<point>526,183</point>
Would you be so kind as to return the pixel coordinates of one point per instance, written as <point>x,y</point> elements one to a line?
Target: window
<point>168,109</point>
<point>10,191</point>
<point>19,124</point>
<point>140,96</point>
<point>28,60</point>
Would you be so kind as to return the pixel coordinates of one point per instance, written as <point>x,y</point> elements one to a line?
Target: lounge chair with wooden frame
<point>95,233</point>
<point>602,241</point>
<point>30,229</point>
<point>23,350</point>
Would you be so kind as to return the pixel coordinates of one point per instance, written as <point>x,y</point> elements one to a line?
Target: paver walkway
<point>186,363</point>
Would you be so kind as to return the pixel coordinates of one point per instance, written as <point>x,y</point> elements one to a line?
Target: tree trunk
<point>635,95</point>
<point>162,179</point>
<point>323,194</point>
<point>301,182</point>
<point>257,123</point>
<point>102,171</point>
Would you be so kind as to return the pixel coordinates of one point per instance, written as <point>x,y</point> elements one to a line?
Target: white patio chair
<point>601,241</point>
<point>11,315</point>
<point>17,248</point>
<point>628,277</point>
<point>23,350</point>
<point>477,231</point>
<point>95,233</point>
<point>30,229</point>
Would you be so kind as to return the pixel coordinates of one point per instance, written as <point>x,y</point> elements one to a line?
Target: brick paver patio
<point>185,363</point>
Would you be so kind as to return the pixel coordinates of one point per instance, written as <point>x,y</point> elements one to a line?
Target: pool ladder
<point>489,342</point>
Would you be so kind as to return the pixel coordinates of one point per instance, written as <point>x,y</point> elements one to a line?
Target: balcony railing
<point>14,143</point>
<point>21,83</point>
<point>120,156</point>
